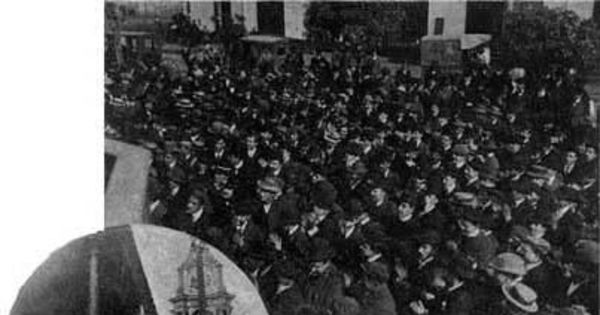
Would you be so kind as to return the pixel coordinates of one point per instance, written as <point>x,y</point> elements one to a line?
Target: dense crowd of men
<point>340,187</point>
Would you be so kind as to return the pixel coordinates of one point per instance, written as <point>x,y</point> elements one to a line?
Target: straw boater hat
<point>184,103</point>
<point>521,296</point>
<point>270,184</point>
<point>509,263</point>
<point>587,251</point>
<point>524,235</point>
<point>461,149</point>
<point>332,136</point>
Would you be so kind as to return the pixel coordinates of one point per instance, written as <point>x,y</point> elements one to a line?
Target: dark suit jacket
<point>378,301</point>
<point>384,212</point>
<point>254,241</point>
<point>184,222</point>
<point>328,228</point>
<point>286,302</point>
<point>296,246</point>
<point>272,221</point>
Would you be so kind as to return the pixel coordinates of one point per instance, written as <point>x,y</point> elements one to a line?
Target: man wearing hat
<point>175,199</point>
<point>476,243</point>
<point>325,283</point>
<point>384,173</point>
<point>505,269</point>
<point>581,272</point>
<point>371,229</point>
<point>427,245</point>
<point>288,296</point>
<point>271,208</point>
<point>323,220</point>
<point>459,162</point>
<point>471,179</point>
<point>518,299</point>
<point>188,159</point>
<point>521,208</point>
<point>218,153</point>
<point>541,275</point>
<point>372,291</point>
<point>196,219</point>
<point>381,208</point>
<point>274,159</point>
<point>355,183</point>
<point>292,240</point>
<point>348,242</point>
<point>243,177</point>
<point>447,292</point>
<point>243,235</point>
<point>221,178</point>
<point>252,152</point>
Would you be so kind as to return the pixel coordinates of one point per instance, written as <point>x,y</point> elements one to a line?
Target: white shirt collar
<point>472,180</point>
<point>374,257</point>
<point>198,214</point>
<point>239,165</point>
<point>518,202</point>
<point>474,234</point>
<point>267,207</point>
<point>365,220</point>
<point>294,229</point>
<point>456,286</point>
<point>425,261</point>
<point>283,288</point>
<point>406,218</point>
<point>349,231</point>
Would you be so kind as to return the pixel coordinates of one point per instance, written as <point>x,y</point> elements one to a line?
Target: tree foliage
<point>183,30</point>
<point>356,24</point>
<point>537,37</point>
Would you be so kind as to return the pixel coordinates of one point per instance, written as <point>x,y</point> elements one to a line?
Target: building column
<point>247,9</point>
<point>202,13</point>
<point>293,17</point>
<point>454,15</point>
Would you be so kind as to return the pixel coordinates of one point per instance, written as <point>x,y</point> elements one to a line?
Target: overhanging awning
<point>467,41</point>
<point>264,39</point>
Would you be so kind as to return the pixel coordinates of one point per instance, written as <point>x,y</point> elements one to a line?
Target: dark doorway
<point>596,12</point>
<point>270,18</point>
<point>109,165</point>
<point>401,41</point>
<point>485,17</point>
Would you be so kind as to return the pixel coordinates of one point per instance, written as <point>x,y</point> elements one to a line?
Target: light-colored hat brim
<point>531,308</point>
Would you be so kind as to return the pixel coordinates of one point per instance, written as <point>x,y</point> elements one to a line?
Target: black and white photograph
<point>418,157</point>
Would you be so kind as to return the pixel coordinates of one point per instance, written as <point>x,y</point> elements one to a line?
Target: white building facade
<point>458,17</point>
<point>284,18</point>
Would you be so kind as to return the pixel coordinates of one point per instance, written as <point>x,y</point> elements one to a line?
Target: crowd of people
<point>340,187</point>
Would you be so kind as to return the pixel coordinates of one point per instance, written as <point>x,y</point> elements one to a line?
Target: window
<point>438,28</point>
<point>485,16</point>
<point>109,165</point>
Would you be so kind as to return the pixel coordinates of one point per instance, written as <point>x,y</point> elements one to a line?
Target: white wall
<point>248,10</point>
<point>584,9</point>
<point>454,14</point>
<point>202,12</point>
<point>293,16</point>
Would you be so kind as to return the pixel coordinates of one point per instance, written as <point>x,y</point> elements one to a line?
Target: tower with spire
<point>201,290</point>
